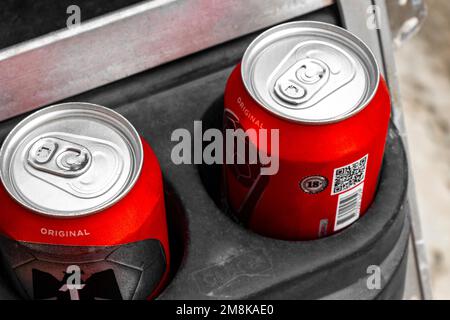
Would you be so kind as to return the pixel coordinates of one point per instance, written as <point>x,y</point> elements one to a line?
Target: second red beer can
<point>321,88</point>
<point>82,213</point>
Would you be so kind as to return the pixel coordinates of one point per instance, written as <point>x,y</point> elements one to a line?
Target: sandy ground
<point>424,69</point>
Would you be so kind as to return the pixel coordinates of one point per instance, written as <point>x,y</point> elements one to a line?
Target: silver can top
<point>310,72</point>
<point>71,159</point>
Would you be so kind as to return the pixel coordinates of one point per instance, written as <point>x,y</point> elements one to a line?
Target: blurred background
<point>424,72</point>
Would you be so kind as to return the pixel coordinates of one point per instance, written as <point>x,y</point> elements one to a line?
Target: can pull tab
<point>302,81</point>
<point>59,157</point>
<point>73,160</point>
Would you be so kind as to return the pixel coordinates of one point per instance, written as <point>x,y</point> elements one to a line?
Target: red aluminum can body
<point>122,239</point>
<point>323,167</point>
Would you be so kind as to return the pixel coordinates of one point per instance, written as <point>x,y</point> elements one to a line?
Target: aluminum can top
<point>71,159</point>
<point>310,72</point>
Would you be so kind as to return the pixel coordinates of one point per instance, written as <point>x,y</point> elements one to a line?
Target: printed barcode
<point>348,208</point>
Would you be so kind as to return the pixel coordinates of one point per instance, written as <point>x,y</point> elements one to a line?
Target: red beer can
<point>321,88</point>
<point>82,207</point>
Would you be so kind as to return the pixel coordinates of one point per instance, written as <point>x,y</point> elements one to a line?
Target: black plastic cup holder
<point>213,257</point>
<point>225,260</point>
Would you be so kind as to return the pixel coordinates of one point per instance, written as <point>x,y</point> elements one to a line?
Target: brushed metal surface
<point>128,41</point>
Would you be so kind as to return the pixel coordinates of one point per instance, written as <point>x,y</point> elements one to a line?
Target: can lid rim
<point>324,26</point>
<point>81,213</point>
